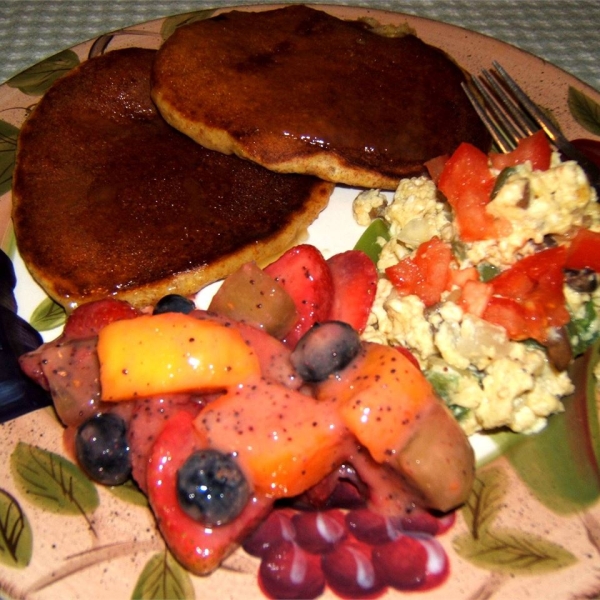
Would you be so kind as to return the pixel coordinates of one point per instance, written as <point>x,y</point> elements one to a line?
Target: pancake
<point>298,90</point>
<point>109,200</point>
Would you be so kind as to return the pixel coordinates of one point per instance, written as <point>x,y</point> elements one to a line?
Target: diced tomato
<point>474,297</point>
<point>426,274</point>
<point>405,276</point>
<point>459,277</point>
<point>467,183</point>
<point>513,283</point>
<point>584,251</point>
<point>509,314</point>
<point>435,166</point>
<point>528,298</point>
<point>534,148</point>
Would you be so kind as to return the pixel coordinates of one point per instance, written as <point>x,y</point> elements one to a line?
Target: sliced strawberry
<point>354,286</point>
<point>88,319</point>
<point>305,275</point>
<point>198,547</point>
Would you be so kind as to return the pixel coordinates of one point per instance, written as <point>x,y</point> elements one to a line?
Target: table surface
<point>565,33</point>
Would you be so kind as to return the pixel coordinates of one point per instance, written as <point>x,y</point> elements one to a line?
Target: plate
<point>532,522</point>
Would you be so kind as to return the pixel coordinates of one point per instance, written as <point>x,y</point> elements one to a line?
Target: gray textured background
<point>565,33</point>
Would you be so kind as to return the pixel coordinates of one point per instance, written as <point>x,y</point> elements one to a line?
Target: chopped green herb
<point>487,271</point>
<point>501,180</point>
<point>584,331</point>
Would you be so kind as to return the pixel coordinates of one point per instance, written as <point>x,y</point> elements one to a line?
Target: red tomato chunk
<point>528,298</point>
<point>427,274</point>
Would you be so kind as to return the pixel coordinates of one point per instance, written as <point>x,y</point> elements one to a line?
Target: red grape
<point>319,532</point>
<point>288,571</point>
<point>276,527</point>
<point>349,570</point>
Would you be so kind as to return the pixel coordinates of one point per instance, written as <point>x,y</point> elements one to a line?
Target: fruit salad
<point>489,278</point>
<point>267,401</point>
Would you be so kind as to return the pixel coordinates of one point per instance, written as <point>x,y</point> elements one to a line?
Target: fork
<point>510,115</point>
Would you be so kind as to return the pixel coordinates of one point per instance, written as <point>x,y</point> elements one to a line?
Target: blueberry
<point>324,349</point>
<point>174,303</point>
<point>102,449</point>
<point>211,488</point>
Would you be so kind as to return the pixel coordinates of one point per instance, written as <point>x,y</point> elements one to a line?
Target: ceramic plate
<point>531,526</point>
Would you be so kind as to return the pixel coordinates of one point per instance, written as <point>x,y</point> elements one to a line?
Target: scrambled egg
<point>487,379</point>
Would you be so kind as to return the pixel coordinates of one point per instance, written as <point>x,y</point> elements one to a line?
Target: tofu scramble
<point>488,379</point>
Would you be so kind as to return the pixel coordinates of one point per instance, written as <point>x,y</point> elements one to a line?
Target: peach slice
<point>393,411</point>
<point>170,353</point>
<point>284,440</point>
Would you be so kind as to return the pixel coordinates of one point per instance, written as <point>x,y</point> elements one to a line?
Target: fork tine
<point>523,125</point>
<point>511,127</point>
<point>509,115</point>
<point>538,116</point>
<point>503,142</point>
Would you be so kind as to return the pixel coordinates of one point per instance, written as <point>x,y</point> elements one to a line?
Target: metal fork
<point>510,115</point>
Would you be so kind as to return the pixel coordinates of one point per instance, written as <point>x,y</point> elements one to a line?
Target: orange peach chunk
<point>284,440</point>
<point>381,395</point>
<point>170,353</point>
<point>392,410</point>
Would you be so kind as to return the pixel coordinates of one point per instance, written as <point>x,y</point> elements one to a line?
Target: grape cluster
<point>356,553</point>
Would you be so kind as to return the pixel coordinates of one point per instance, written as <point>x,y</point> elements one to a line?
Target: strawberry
<point>408,354</point>
<point>305,275</point>
<point>88,319</point>
<point>196,546</point>
<point>354,286</point>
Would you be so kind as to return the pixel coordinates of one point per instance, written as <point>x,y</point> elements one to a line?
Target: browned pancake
<point>298,90</point>
<point>111,201</point>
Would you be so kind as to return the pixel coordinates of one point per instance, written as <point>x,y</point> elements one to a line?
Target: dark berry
<point>326,348</point>
<point>103,450</point>
<point>174,303</point>
<point>211,487</point>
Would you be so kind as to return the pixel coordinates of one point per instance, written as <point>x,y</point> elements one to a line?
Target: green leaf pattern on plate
<point>36,80</point>
<point>52,482</point>
<point>484,503</point>
<point>513,551</point>
<point>163,577</point>
<point>584,110</point>
<point>48,315</point>
<point>502,549</point>
<point>8,148</point>
<point>16,539</point>
<point>129,492</point>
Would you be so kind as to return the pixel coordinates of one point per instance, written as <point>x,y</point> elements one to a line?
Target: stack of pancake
<point>143,173</point>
